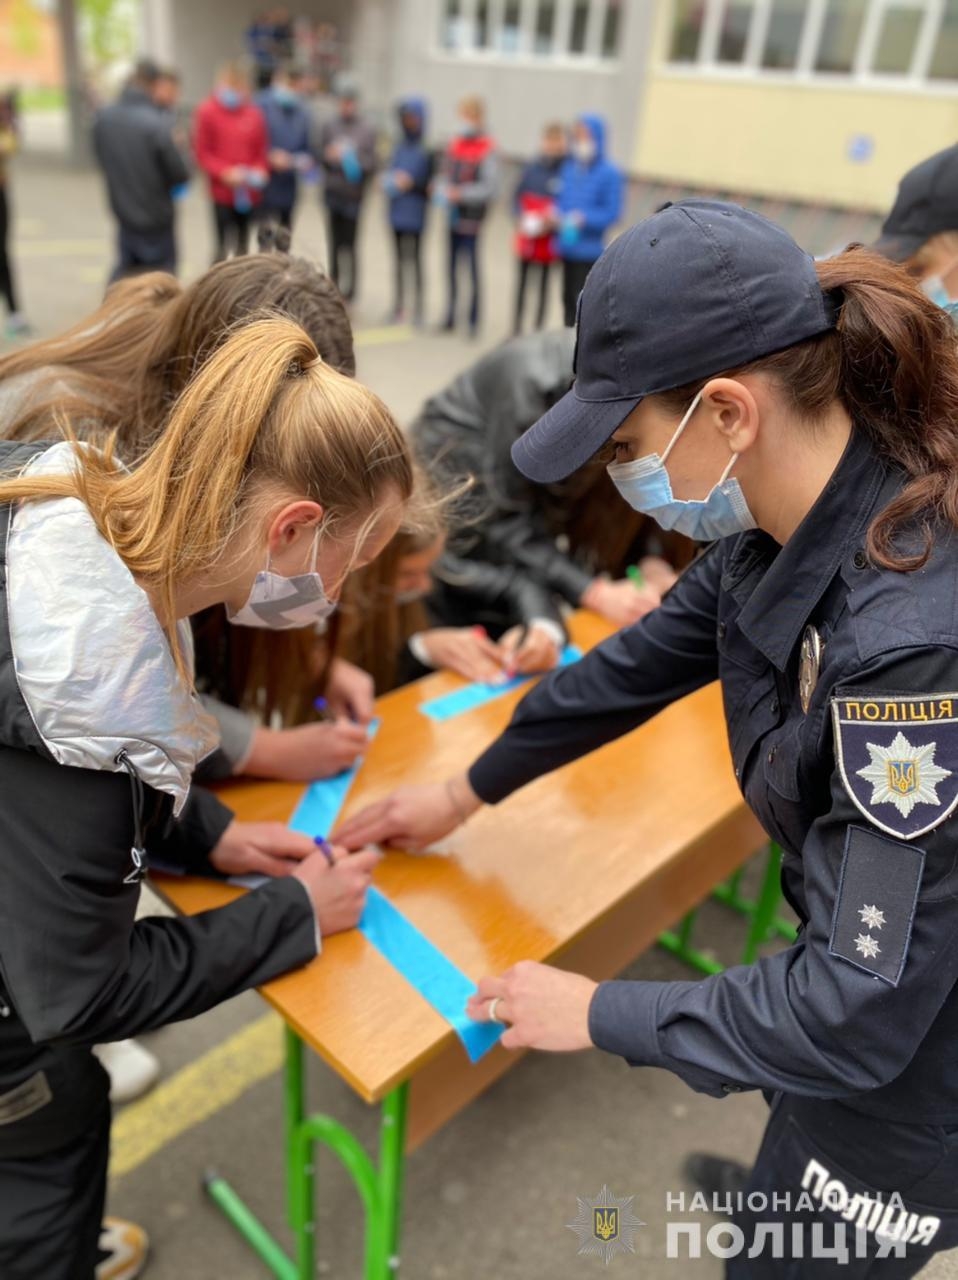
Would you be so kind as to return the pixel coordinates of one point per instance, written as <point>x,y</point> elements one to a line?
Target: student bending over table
<point>101,734</point>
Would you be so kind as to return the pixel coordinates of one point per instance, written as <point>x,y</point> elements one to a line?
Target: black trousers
<point>409,256</point>
<point>463,246</point>
<point>573,278</point>
<point>851,1170</point>
<point>232,231</point>
<point>6,274</point>
<point>269,213</point>
<point>526,269</point>
<point>343,260</point>
<point>139,251</point>
<point>53,1166</point>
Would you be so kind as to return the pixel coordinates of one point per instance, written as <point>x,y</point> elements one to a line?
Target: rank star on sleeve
<point>872,917</point>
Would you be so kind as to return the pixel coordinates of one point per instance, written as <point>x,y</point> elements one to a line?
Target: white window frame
<point>804,72</point>
<point>558,58</point>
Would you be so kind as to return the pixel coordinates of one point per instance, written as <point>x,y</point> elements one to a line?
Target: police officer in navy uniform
<point>803,417</point>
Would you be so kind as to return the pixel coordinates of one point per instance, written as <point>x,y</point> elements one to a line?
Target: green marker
<point>635,576</point>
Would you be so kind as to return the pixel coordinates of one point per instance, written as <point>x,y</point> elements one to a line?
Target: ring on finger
<point>493,1007</point>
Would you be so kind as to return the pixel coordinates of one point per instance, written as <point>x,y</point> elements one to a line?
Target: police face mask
<point>280,604</point>
<point>646,487</point>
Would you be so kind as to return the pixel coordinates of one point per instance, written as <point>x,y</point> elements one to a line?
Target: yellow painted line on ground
<point>380,337</point>
<point>195,1093</point>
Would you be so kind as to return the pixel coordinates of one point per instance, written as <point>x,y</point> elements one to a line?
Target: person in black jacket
<point>803,415</point>
<point>418,608</point>
<point>135,147</point>
<point>100,734</point>
<point>560,542</point>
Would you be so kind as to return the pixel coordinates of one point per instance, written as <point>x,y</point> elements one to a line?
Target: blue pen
<point>322,707</point>
<point>325,849</point>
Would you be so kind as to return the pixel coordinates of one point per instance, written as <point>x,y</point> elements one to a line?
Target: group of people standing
<point>256,149</point>
<point>566,201</point>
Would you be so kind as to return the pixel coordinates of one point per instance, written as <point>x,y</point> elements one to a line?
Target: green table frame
<point>761,912</point>
<point>380,1185</point>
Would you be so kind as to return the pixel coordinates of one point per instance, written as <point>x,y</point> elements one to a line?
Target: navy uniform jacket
<point>861,793</point>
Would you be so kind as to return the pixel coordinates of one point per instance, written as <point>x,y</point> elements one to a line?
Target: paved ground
<point>488,1199</point>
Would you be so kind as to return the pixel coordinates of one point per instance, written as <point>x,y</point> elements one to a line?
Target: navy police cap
<point>696,289</point>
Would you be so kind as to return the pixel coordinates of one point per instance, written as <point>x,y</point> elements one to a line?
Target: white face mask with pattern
<point>279,604</point>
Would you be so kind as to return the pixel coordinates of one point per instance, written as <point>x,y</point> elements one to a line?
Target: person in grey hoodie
<point>347,153</point>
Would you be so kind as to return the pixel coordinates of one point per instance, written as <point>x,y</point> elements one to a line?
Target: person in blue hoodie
<point>287,123</point>
<point>406,183</point>
<point>590,201</point>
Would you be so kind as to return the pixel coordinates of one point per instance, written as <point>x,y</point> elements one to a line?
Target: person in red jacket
<point>231,143</point>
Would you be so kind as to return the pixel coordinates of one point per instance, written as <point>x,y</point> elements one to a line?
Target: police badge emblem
<point>898,758</point>
<point>809,665</point>
<point>606,1225</point>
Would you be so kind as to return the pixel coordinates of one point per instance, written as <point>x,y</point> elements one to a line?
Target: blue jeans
<point>463,246</point>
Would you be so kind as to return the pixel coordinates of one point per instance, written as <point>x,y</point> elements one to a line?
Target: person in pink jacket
<point>231,144</point>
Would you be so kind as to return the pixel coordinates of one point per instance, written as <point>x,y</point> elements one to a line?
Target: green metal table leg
<point>392,1165</point>
<point>250,1228</point>
<point>294,1101</point>
<point>680,944</point>
<point>380,1187</point>
<point>763,914</point>
<point>730,895</point>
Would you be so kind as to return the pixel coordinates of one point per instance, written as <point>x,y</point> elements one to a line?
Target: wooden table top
<point>523,880</point>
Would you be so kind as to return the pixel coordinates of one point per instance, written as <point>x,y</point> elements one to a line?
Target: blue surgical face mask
<point>229,98</point>
<point>934,288</point>
<point>285,96</point>
<point>646,487</point>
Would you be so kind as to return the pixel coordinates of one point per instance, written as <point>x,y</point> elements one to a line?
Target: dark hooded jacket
<point>407,209</point>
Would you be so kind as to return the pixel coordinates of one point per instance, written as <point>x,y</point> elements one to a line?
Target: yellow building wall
<point>789,139</point>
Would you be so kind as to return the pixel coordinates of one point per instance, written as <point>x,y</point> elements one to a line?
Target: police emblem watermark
<point>606,1225</point>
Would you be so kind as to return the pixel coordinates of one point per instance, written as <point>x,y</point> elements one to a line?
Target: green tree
<point>107,31</point>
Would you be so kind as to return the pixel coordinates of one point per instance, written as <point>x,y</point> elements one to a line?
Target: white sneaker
<point>126,1247</point>
<point>133,1070</point>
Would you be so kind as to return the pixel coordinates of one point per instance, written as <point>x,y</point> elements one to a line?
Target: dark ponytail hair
<point>892,361</point>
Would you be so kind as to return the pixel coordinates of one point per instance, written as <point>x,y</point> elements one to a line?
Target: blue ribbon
<point>317,812</point>
<point>423,965</point>
<point>471,696</point>
<point>433,975</point>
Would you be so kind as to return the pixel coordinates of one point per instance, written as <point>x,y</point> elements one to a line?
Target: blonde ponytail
<point>263,417</point>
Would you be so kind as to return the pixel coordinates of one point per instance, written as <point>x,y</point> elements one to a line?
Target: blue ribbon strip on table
<point>432,974</point>
<point>317,812</point>
<point>471,696</point>
<point>423,965</point>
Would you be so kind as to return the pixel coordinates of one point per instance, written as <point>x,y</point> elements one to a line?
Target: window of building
<point>913,40</point>
<point>547,29</point>
<point>545,26</point>
<point>688,16</point>
<point>609,46</point>
<point>783,35</point>
<point>841,32</point>
<point>579,31</point>
<point>944,61</point>
<point>733,33</point>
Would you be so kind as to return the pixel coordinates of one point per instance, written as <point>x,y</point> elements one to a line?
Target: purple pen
<point>325,849</point>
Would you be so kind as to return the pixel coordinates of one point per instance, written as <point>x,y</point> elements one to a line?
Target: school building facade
<point>815,101</point>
